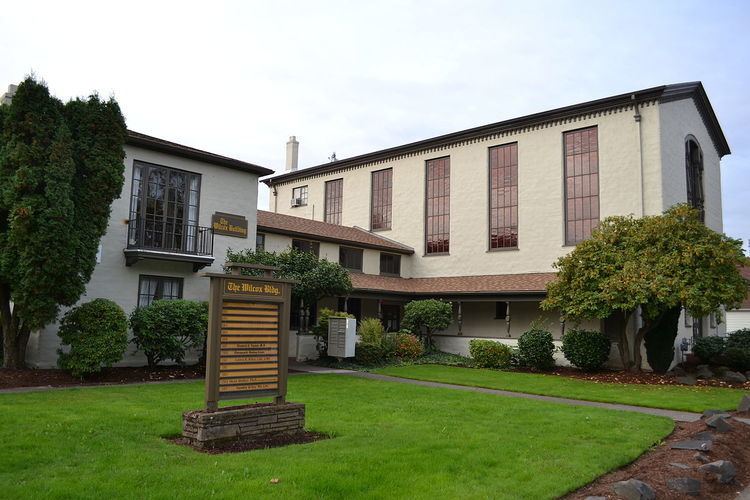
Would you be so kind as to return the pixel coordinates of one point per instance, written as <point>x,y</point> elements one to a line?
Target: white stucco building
<point>164,228</point>
<point>482,214</point>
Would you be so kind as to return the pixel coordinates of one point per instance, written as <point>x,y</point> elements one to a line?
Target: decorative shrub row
<point>732,351</point>
<point>97,333</point>
<point>535,349</point>
<point>490,354</point>
<point>376,346</point>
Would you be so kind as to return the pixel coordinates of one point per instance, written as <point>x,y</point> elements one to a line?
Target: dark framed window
<point>504,196</point>
<point>260,242</point>
<point>164,205</point>
<point>351,258</point>
<point>391,317</point>
<point>694,175</point>
<point>437,198</point>
<point>390,264</point>
<point>299,196</point>
<point>581,184</point>
<point>501,310</point>
<point>334,192</point>
<point>312,247</point>
<point>381,205</point>
<point>151,288</point>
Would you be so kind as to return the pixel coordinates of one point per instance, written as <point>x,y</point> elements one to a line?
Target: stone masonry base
<point>206,429</point>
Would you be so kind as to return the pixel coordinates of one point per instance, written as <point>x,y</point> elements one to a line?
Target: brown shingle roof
<point>271,222</point>
<point>155,144</point>
<point>531,283</point>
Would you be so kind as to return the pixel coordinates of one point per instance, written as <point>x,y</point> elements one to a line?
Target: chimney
<point>8,96</point>
<point>292,154</point>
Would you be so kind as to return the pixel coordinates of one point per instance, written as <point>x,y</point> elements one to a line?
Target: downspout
<point>275,196</point>
<point>637,118</point>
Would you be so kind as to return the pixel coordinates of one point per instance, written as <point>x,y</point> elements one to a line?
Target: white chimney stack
<point>292,154</point>
<point>8,96</point>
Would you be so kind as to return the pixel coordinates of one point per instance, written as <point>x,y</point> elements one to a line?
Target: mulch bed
<point>653,467</point>
<point>120,375</point>
<point>624,377</point>
<point>254,444</point>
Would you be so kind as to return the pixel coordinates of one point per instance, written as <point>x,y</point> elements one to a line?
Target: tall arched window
<point>694,171</point>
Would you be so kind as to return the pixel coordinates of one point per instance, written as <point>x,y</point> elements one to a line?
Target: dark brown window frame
<point>387,221</point>
<point>593,221</point>
<point>358,260</point>
<point>260,237</point>
<point>333,216</point>
<point>427,215</point>
<point>315,245</point>
<point>694,169</point>
<point>513,238</point>
<point>305,198</point>
<point>396,258</point>
<point>142,277</point>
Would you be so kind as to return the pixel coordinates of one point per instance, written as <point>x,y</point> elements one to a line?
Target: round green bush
<point>586,349</point>
<point>739,339</point>
<point>535,349</point>
<point>737,358</point>
<point>97,333</point>
<point>490,354</point>
<point>165,329</point>
<point>370,354</point>
<point>709,349</point>
<point>407,346</point>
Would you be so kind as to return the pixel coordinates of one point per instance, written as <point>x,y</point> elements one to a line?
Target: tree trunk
<point>637,342</point>
<point>15,335</point>
<point>622,344</point>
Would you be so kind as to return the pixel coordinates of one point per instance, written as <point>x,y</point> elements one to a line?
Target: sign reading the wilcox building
<point>229,224</point>
<point>247,337</point>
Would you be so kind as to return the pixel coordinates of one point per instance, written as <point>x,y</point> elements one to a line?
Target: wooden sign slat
<point>247,379</point>
<point>248,373</point>
<point>249,305</point>
<point>243,388</point>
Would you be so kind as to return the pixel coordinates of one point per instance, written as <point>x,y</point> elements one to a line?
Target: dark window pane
<point>437,224</point>
<point>151,288</point>
<point>312,247</point>
<point>334,191</point>
<point>581,184</point>
<point>380,202</point>
<point>350,258</point>
<point>501,310</point>
<point>503,196</point>
<point>390,264</point>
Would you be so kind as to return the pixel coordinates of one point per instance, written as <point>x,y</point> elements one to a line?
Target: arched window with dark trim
<point>694,171</point>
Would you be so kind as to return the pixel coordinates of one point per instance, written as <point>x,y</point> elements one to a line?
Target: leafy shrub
<point>586,349</point>
<point>165,329</point>
<point>97,333</point>
<point>739,338</point>
<point>371,331</point>
<point>427,317</point>
<point>407,346</point>
<point>737,358</point>
<point>370,354</point>
<point>320,330</point>
<point>490,354</point>
<point>535,348</point>
<point>659,340</point>
<point>709,349</point>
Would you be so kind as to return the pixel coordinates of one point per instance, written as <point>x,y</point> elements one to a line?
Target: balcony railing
<point>160,239</point>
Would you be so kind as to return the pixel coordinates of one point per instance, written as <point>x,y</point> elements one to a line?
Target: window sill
<point>380,230</point>
<point>441,254</point>
<point>390,275</point>
<point>503,249</point>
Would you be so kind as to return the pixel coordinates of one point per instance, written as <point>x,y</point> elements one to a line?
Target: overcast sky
<point>238,78</point>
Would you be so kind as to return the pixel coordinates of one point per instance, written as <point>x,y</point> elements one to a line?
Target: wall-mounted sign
<point>247,337</point>
<point>229,225</point>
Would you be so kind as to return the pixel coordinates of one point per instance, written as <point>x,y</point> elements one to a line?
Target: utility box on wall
<point>342,337</point>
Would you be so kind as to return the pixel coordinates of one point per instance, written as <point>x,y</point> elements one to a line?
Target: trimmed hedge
<point>370,354</point>
<point>97,333</point>
<point>737,358</point>
<point>490,354</point>
<point>535,349</point>
<point>586,349</point>
<point>165,329</point>
<point>739,339</point>
<point>709,349</point>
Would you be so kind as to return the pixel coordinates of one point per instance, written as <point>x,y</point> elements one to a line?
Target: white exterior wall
<point>737,319</point>
<point>222,190</point>
<point>540,186</point>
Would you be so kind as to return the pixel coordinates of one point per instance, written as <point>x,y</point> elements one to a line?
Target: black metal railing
<point>164,236</point>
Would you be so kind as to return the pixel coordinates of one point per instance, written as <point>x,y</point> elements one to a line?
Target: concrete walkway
<point>678,416</point>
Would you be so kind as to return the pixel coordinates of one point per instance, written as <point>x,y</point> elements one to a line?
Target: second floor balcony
<point>165,239</point>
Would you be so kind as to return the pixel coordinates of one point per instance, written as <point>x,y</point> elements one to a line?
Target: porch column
<point>460,318</point>
<point>346,304</point>
<point>380,310</point>
<point>507,318</point>
<point>301,316</point>
<point>562,326</point>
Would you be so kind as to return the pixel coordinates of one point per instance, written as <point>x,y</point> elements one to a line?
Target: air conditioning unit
<point>296,202</point>
<point>342,336</point>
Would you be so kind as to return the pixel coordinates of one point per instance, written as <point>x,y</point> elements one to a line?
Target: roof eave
<point>329,239</point>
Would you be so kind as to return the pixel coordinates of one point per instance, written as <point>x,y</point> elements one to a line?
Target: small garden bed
<point>121,375</point>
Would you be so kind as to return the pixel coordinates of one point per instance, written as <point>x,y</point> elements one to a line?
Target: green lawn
<point>673,397</point>
<point>391,441</point>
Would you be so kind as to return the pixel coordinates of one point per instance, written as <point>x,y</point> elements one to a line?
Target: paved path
<point>679,416</point>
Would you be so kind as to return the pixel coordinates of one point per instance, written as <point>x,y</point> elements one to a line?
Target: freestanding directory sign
<point>247,345</point>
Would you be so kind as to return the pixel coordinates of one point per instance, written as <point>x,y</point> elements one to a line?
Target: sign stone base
<point>206,429</point>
